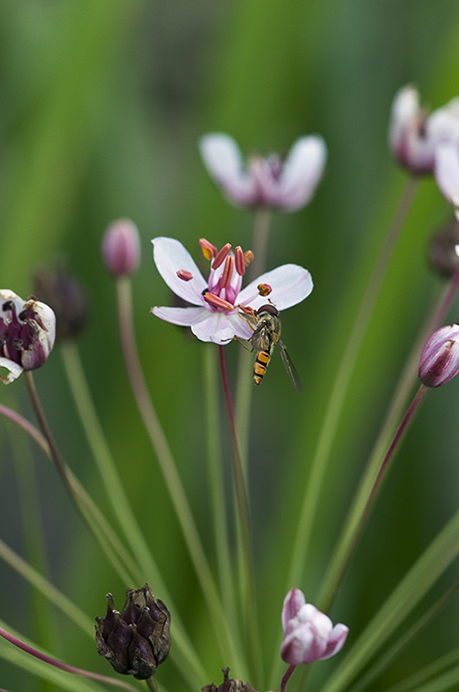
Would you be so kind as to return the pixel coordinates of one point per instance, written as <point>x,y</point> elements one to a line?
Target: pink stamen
<point>221,256</point>
<point>227,272</point>
<point>184,275</point>
<point>264,289</point>
<point>208,250</point>
<point>239,260</point>
<point>217,302</point>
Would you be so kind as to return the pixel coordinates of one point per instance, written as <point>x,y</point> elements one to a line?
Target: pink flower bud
<point>440,358</point>
<point>121,248</point>
<point>308,634</point>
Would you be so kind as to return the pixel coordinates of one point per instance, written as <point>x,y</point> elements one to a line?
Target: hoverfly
<point>266,334</point>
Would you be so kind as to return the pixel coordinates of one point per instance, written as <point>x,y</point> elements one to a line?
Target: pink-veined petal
<point>301,172</point>
<point>185,317</point>
<point>290,285</point>
<point>293,602</point>
<point>447,171</point>
<point>222,158</point>
<point>170,257</point>
<point>336,640</point>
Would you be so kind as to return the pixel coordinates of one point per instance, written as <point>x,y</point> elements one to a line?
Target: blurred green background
<point>102,103</point>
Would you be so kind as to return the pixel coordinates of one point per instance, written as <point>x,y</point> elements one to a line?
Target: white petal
<point>222,158</point>
<point>14,370</point>
<point>185,317</point>
<point>336,640</point>
<point>293,602</point>
<point>170,256</point>
<point>290,285</point>
<point>221,327</point>
<point>301,172</point>
<point>405,108</point>
<point>447,171</point>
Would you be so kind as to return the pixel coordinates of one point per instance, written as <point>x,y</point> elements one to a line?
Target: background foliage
<point>102,104</point>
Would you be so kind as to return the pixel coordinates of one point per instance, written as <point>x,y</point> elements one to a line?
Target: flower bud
<point>440,357</point>
<point>27,333</point>
<point>443,249</point>
<point>308,634</point>
<point>65,295</point>
<point>121,248</point>
<point>136,641</point>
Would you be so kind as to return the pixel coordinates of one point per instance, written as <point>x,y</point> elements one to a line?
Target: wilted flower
<point>27,332</point>
<point>414,135</point>
<point>265,181</point>
<point>137,640</point>
<point>308,634</point>
<point>121,248</point>
<point>447,172</point>
<point>229,685</point>
<point>64,294</point>
<point>217,299</point>
<point>439,361</point>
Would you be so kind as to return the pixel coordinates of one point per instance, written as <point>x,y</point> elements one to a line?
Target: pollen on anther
<point>217,302</point>
<point>264,289</point>
<point>239,260</point>
<point>248,257</point>
<point>221,256</point>
<point>184,275</point>
<point>208,250</point>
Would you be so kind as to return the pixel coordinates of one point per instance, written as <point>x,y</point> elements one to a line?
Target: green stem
<point>171,476</point>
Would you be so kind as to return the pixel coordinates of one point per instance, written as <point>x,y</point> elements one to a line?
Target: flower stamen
<point>217,302</point>
<point>239,260</point>
<point>184,275</point>
<point>227,272</point>
<point>208,250</point>
<point>264,289</point>
<point>221,256</point>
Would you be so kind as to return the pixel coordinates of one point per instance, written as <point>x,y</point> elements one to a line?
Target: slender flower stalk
<point>169,470</point>
<point>114,682</point>
<point>341,383</point>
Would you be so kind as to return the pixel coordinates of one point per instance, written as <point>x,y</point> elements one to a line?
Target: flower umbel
<point>27,333</point>
<point>218,299</point>
<point>265,181</point>
<point>308,634</point>
<point>137,640</point>
<point>440,357</point>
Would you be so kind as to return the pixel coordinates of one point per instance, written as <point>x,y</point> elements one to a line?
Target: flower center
<point>17,332</point>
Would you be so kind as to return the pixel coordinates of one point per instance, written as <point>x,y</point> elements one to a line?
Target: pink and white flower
<point>309,635</point>
<point>414,135</point>
<point>447,172</point>
<point>439,361</point>
<point>265,181</point>
<point>218,301</point>
<point>27,333</point>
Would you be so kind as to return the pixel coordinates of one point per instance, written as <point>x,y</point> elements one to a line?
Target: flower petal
<point>301,172</point>
<point>293,602</point>
<point>222,158</point>
<point>336,640</point>
<point>185,317</point>
<point>290,285</point>
<point>14,370</point>
<point>222,327</point>
<point>447,171</point>
<point>170,257</point>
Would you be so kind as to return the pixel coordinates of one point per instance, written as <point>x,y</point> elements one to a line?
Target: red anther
<point>264,289</point>
<point>246,310</point>
<point>208,250</point>
<point>184,275</point>
<point>227,272</point>
<point>218,302</point>
<point>248,257</point>
<point>221,256</point>
<point>239,260</point>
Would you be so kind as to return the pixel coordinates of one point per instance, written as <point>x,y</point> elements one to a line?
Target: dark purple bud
<point>64,294</point>
<point>136,641</point>
<point>439,361</point>
<point>121,248</point>
<point>443,254</point>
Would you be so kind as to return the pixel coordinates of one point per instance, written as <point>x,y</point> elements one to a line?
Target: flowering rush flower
<point>414,135</point>
<point>439,361</point>
<point>447,172</point>
<point>219,299</point>
<point>265,182</point>
<point>308,634</point>
<point>27,332</point>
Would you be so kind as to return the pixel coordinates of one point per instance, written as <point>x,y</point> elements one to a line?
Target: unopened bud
<point>136,640</point>
<point>443,253</point>
<point>440,357</point>
<point>64,294</point>
<point>229,685</point>
<point>121,248</point>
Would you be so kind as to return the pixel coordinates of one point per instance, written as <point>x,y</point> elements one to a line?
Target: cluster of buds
<point>136,640</point>
<point>27,333</point>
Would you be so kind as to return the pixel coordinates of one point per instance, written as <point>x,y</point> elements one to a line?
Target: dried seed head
<point>136,640</point>
<point>64,294</point>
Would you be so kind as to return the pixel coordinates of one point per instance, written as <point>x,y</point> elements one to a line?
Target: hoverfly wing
<point>291,370</point>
